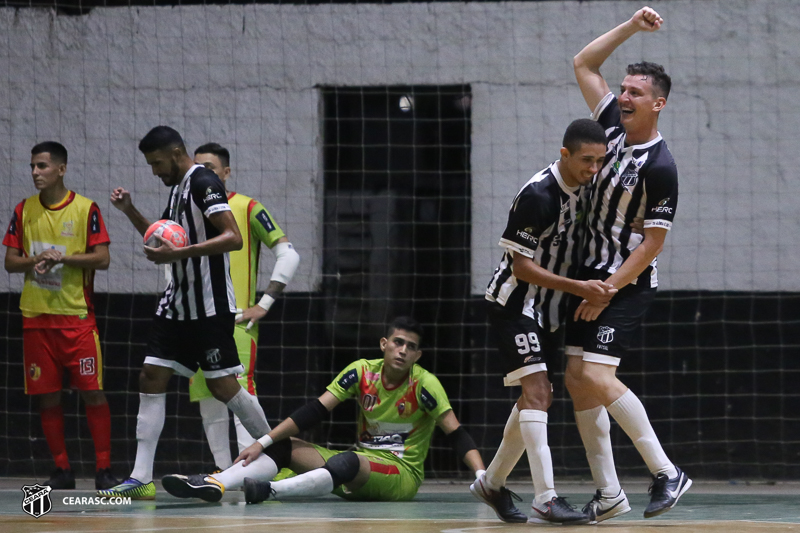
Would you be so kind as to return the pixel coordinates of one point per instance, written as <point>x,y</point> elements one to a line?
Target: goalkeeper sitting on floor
<point>400,402</point>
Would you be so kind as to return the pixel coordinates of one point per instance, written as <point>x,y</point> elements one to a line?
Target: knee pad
<point>280,452</point>
<point>343,468</point>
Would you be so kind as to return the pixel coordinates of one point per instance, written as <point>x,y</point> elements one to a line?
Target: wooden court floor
<point>439,508</point>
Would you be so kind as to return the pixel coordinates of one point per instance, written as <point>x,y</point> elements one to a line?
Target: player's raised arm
<point>588,61</point>
<point>461,441</point>
<point>303,418</point>
<point>121,199</point>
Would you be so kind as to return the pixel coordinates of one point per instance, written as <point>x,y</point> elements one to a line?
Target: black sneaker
<point>499,500</point>
<point>61,479</point>
<point>104,479</point>
<point>197,486</point>
<point>558,511</point>
<point>605,507</point>
<point>664,492</point>
<point>256,491</point>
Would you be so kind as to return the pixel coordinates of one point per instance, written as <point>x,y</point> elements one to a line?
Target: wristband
<point>265,441</point>
<point>266,302</point>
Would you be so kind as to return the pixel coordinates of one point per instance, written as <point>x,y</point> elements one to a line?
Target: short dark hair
<point>658,77</point>
<point>161,138</point>
<point>58,154</point>
<point>583,131</point>
<point>216,149</point>
<point>405,323</point>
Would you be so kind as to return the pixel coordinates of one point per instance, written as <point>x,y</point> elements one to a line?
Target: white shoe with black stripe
<point>605,507</point>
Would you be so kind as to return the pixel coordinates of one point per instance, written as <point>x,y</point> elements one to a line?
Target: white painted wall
<point>246,76</point>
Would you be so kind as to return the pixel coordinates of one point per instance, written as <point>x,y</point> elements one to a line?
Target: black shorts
<point>607,339</point>
<point>524,348</point>
<point>186,345</point>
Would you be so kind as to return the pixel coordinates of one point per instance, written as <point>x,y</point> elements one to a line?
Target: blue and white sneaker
<point>664,492</point>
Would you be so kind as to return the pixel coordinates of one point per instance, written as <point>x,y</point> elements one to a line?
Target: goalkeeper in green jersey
<point>256,226</point>
<point>399,405</point>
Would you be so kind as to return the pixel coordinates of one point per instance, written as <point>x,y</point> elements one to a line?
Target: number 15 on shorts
<point>527,343</point>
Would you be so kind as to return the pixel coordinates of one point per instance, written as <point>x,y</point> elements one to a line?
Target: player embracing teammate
<point>637,179</point>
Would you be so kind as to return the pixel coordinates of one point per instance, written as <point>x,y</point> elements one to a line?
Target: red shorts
<point>48,351</point>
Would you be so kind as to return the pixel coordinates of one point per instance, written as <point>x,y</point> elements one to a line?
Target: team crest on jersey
<point>213,356</point>
<point>605,334</point>
<point>37,500</point>
<point>407,405</point>
<point>35,372</point>
<point>67,229</point>
<point>630,176</point>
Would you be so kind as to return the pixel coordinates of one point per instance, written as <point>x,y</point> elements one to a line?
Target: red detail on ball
<point>168,229</point>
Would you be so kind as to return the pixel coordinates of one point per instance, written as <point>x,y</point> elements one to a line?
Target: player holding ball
<point>194,320</point>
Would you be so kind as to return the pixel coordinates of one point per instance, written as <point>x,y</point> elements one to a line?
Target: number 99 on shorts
<point>527,343</point>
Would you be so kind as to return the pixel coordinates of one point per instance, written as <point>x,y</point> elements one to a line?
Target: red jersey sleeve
<point>96,233</point>
<point>13,238</point>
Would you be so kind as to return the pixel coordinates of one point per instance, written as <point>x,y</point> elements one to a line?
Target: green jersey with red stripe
<point>398,420</point>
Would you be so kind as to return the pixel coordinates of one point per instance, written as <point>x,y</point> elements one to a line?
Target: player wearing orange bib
<point>57,238</point>
<point>256,226</point>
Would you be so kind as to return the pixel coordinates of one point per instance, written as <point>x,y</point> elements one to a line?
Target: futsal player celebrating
<point>194,319</point>
<point>638,178</point>
<point>399,405</point>
<point>57,238</point>
<point>256,226</point>
<point>526,309</point>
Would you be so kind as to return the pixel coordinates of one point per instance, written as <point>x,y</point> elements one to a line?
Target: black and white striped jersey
<point>199,287</point>
<point>635,181</point>
<point>544,224</point>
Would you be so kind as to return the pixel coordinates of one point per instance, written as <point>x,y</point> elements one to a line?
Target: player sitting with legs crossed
<point>526,309</point>
<point>399,405</point>
<point>638,179</point>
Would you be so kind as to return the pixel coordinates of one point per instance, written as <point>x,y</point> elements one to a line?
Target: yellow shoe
<point>131,488</point>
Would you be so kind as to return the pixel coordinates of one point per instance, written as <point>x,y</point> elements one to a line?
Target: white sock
<point>262,469</point>
<point>317,482</point>
<point>149,423</point>
<point>533,427</point>
<point>216,421</point>
<point>629,413</point>
<point>249,411</point>
<point>595,429</point>
<point>507,455</point>
<point>243,438</point>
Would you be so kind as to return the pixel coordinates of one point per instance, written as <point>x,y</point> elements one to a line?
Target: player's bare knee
<point>343,468</point>
<point>223,388</point>
<point>93,397</point>
<point>538,399</point>
<point>572,381</point>
<point>537,392</point>
<point>153,379</point>
<point>49,399</point>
